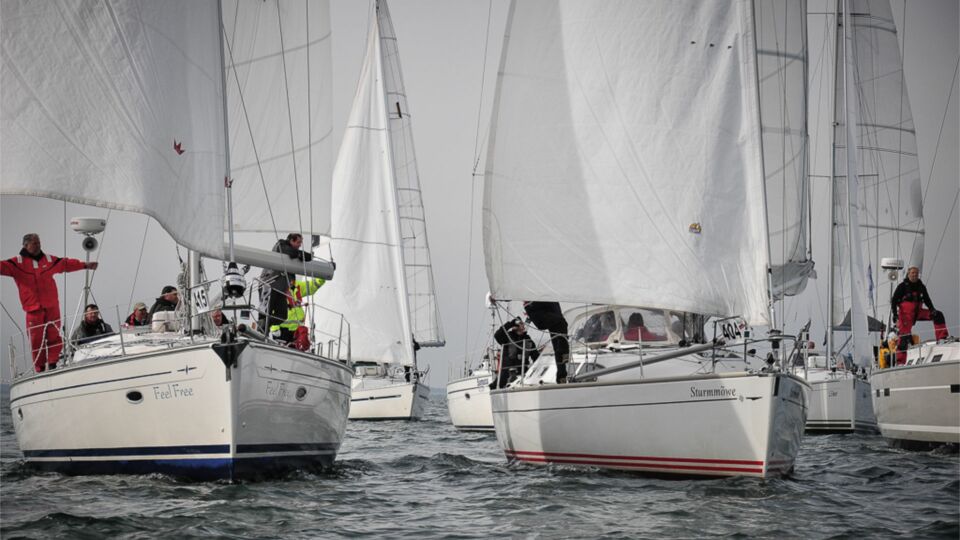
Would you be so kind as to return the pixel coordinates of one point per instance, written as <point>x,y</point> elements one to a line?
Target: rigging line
<point>943,119</point>
<point>309,127</point>
<point>293,147</point>
<point>473,180</point>
<point>942,235</point>
<point>903,84</point>
<point>136,273</point>
<point>253,142</point>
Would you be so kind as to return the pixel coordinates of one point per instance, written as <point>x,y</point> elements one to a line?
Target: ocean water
<point>426,480</point>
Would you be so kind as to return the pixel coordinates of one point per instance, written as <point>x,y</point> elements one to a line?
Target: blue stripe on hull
<point>201,469</point>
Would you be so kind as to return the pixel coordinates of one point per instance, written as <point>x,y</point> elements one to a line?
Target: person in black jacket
<point>91,327</point>
<point>276,284</point>
<point>907,306</point>
<point>518,350</point>
<point>168,300</point>
<point>548,317</point>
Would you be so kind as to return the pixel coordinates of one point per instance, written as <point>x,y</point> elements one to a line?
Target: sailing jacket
<point>907,291</point>
<point>34,277</point>
<point>86,332</point>
<point>295,313</point>
<point>162,304</point>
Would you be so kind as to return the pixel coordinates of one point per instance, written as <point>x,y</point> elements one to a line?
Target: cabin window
<point>644,324</point>
<point>595,328</point>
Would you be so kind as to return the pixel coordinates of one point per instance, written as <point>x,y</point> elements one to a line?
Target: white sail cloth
<point>371,287</point>
<point>417,264</point>
<point>781,36</point>
<point>94,98</point>
<point>889,189</point>
<point>278,64</point>
<point>624,163</point>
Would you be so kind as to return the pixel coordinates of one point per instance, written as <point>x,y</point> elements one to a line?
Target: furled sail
<point>781,35</point>
<point>385,287</point>
<point>279,105</point>
<point>624,162</point>
<point>889,187</point>
<point>117,105</point>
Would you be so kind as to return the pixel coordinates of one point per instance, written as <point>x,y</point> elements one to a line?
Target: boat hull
<point>706,426</point>
<point>376,398</point>
<point>840,404</point>
<point>918,406</point>
<point>468,402</point>
<point>184,412</point>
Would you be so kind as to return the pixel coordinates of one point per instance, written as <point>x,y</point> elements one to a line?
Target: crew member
<point>292,329</point>
<point>168,300</point>
<point>33,270</point>
<point>548,317</point>
<point>907,304</point>
<point>91,327</point>
<point>139,317</point>
<point>518,349</point>
<point>273,294</point>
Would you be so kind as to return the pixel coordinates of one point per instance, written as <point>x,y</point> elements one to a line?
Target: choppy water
<point>425,479</point>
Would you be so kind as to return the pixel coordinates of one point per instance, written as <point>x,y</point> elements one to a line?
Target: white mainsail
<point>624,165</point>
<point>781,36</point>
<point>890,216</point>
<point>278,65</point>
<point>385,287</point>
<point>143,76</point>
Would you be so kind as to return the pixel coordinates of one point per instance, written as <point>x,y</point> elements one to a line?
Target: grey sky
<point>441,44</point>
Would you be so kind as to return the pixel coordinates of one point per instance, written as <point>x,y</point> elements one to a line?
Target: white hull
<point>735,424</point>
<point>468,401</point>
<point>183,411</point>
<point>918,404</point>
<point>839,403</point>
<point>385,398</point>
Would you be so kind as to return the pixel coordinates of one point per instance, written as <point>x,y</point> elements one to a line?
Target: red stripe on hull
<point>649,466</point>
<point>518,454</point>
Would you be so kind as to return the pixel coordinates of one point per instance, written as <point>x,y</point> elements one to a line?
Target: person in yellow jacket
<point>290,329</point>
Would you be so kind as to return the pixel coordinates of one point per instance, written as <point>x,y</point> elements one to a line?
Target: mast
<point>833,181</point>
<point>226,132</point>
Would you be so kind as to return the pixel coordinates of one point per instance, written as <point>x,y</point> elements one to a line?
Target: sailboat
<point>841,397</point>
<point>379,238</point>
<point>917,403</point>
<point>626,167</point>
<point>468,395</point>
<point>167,109</point>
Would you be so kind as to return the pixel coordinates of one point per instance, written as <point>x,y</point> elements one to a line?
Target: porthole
<point>20,413</point>
<point>301,393</point>
<point>134,396</point>
<point>467,395</point>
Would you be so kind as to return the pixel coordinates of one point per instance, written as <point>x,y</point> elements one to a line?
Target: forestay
<point>278,65</point>
<point>624,163</point>
<point>95,97</point>
<point>889,192</point>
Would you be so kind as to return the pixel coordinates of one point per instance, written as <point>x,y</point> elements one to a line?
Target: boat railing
<point>20,351</point>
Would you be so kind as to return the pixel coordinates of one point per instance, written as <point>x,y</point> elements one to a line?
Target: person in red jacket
<point>33,272</point>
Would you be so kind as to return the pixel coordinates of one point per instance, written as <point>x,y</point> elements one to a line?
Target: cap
<point>139,305</point>
<point>168,289</point>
